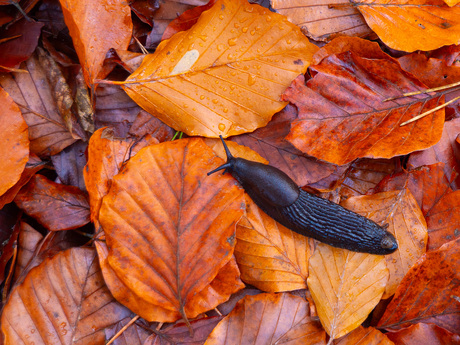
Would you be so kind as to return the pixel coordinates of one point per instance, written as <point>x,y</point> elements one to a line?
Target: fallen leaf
<point>447,150</point>
<point>405,221</point>
<point>414,25</point>
<point>345,286</point>
<point>55,206</point>
<point>61,301</point>
<point>428,293</point>
<point>361,335</point>
<point>9,230</point>
<point>422,333</point>
<point>342,115</point>
<point>180,334</point>
<point>14,151</point>
<point>27,243</point>
<point>135,334</point>
<point>323,21</point>
<point>270,257</point>
<point>70,163</point>
<point>165,225</point>
<point>282,317</point>
<point>47,133</point>
<point>147,124</point>
<point>304,170</point>
<point>95,27</point>
<point>213,80</point>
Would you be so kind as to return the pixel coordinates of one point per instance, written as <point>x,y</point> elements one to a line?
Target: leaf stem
<point>429,111</point>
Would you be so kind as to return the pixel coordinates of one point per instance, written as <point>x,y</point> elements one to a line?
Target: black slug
<point>307,214</point>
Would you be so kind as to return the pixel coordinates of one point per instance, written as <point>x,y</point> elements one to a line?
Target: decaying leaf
<point>166,229</point>
<point>345,286</point>
<point>62,301</point>
<point>14,151</point>
<point>284,319</point>
<point>271,257</point>
<point>226,74</point>
<point>412,25</point>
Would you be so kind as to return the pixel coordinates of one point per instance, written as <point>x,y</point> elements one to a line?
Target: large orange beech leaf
<point>55,206</point>
<point>14,151</point>
<point>405,221</point>
<point>429,292</point>
<point>169,227</point>
<point>270,257</point>
<point>412,25</point>
<point>268,319</point>
<point>361,335</point>
<point>62,301</point>
<point>226,74</point>
<point>323,20</point>
<point>222,286</point>
<point>345,286</point>
<point>106,155</point>
<point>95,27</point>
<point>342,115</point>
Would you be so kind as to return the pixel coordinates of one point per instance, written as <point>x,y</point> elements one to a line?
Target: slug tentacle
<point>307,214</point>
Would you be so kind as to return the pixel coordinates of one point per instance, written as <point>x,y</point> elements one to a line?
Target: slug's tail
<point>229,164</point>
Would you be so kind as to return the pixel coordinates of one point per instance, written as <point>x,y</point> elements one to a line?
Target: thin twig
<point>429,111</point>
<point>134,319</point>
<point>439,88</point>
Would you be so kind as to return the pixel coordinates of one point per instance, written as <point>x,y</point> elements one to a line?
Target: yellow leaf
<point>226,74</point>
<point>345,287</point>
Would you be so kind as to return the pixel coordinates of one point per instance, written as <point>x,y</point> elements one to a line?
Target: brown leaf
<point>405,221</point>
<point>422,333</point>
<point>95,27</point>
<point>135,334</point>
<point>447,150</point>
<point>361,335</point>
<point>271,257</point>
<point>33,165</point>
<point>62,301</point>
<point>47,133</point>
<point>179,334</point>
<point>428,292</point>
<point>19,49</point>
<point>222,81</point>
<point>166,227</point>
<point>14,151</point>
<point>70,163</point>
<point>27,243</point>
<point>9,230</point>
<point>283,318</point>
<point>304,170</point>
<point>342,115</point>
<point>345,286</point>
<point>323,21</point>
<point>414,25</point>
<point>55,206</point>
<point>147,124</point>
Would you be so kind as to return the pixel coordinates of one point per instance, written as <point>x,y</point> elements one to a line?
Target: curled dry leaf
<point>170,229</point>
<point>323,21</point>
<point>55,206</point>
<point>342,115</point>
<point>62,301</point>
<point>412,25</point>
<point>270,257</point>
<point>405,221</point>
<point>226,74</point>
<point>429,292</point>
<point>14,151</point>
<point>95,27</point>
<point>345,286</point>
<point>27,243</point>
<point>284,318</point>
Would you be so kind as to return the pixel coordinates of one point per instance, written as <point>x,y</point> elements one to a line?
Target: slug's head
<point>388,242</point>
<point>228,166</point>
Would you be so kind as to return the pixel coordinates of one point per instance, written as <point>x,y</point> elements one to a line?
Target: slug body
<point>279,197</point>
